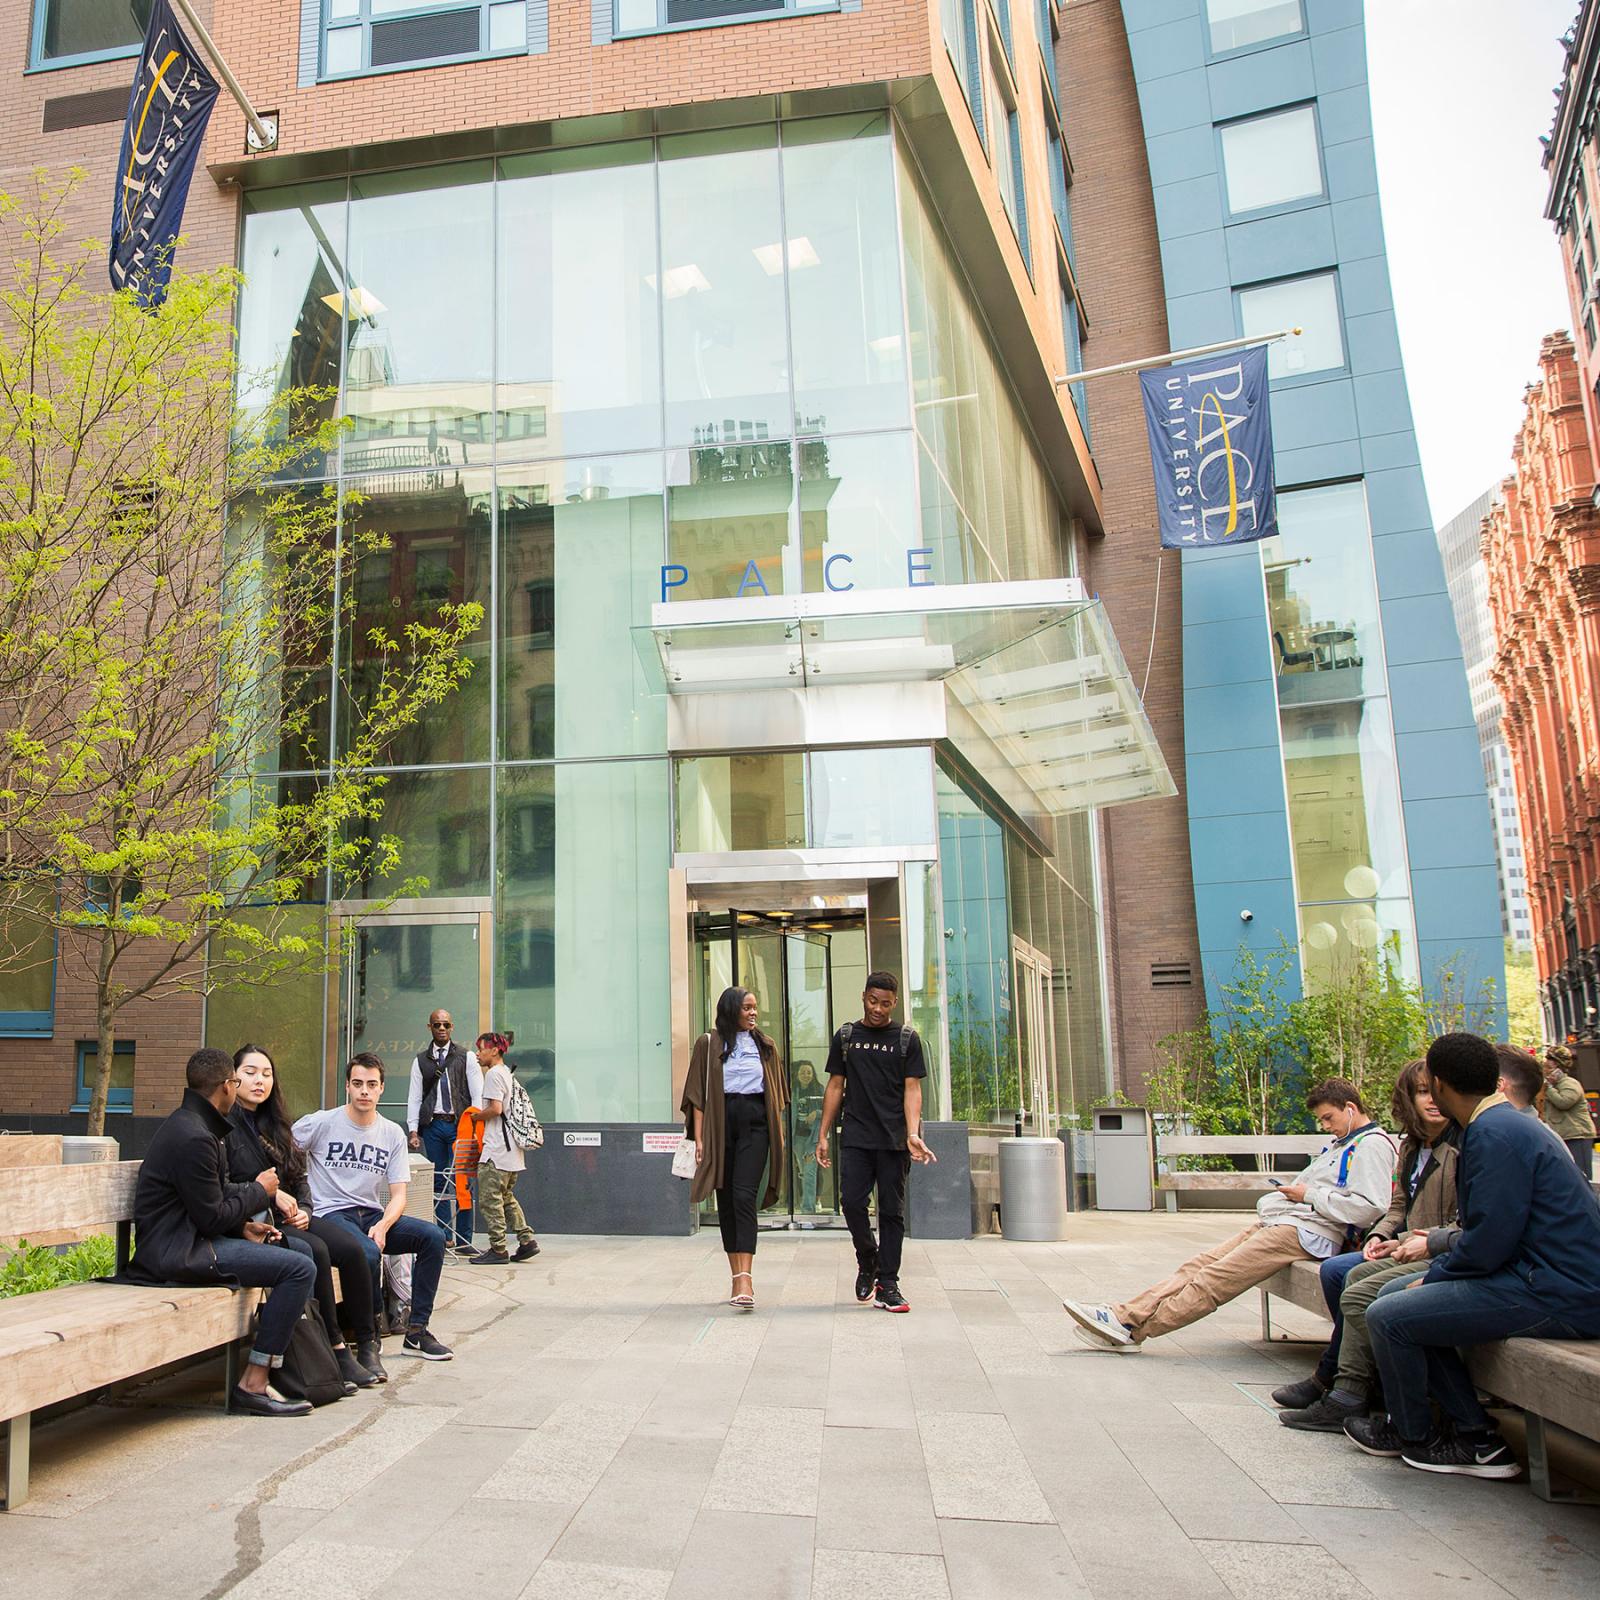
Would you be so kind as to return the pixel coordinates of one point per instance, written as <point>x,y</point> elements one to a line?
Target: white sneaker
<point>1096,1342</point>
<point>1101,1324</point>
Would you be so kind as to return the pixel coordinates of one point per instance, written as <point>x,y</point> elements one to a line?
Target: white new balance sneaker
<point>1101,1325</point>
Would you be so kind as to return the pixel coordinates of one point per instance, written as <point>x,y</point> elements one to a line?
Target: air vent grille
<point>1171,975</point>
<point>708,10</point>
<point>85,110</point>
<point>445,33</point>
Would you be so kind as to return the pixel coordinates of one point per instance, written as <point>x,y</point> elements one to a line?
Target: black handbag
<point>310,1370</point>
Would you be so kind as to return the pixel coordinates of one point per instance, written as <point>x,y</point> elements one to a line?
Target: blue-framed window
<point>633,17</point>
<point>1310,303</point>
<point>73,33</point>
<point>1271,162</point>
<point>28,981</point>
<point>1005,148</point>
<point>119,1097</point>
<point>1072,338</point>
<point>1002,15</point>
<point>1045,26</point>
<point>1235,25</point>
<point>959,23</point>
<point>361,36</point>
<point>1059,204</point>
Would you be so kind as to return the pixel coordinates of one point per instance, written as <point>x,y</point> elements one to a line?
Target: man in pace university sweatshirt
<point>1526,1265</point>
<point>1340,1195</point>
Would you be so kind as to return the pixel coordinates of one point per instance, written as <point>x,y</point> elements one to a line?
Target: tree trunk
<point>105,1017</point>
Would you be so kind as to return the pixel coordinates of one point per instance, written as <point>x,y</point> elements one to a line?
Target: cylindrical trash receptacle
<point>1033,1189</point>
<point>1124,1159</point>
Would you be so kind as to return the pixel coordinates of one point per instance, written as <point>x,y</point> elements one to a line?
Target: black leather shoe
<point>352,1371</point>
<point>269,1404</point>
<point>1297,1396</point>
<point>369,1357</point>
<point>490,1258</point>
<point>526,1252</point>
<point>866,1283</point>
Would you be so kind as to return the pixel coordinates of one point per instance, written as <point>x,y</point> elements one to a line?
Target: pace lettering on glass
<point>919,574</point>
<point>1210,429</point>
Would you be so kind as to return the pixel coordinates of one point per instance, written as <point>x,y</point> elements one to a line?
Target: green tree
<point>1524,1014</point>
<point>167,610</point>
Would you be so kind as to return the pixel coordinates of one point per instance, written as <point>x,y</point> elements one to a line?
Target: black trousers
<point>859,1171</point>
<point>333,1246</point>
<point>744,1161</point>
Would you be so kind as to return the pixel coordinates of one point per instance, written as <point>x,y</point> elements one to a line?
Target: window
<point>1005,142</point>
<point>1310,304</point>
<point>1581,273</point>
<point>1588,329</point>
<point>1237,24</point>
<point>953,24</point>
<point>28,982</point>
<point>371,35</point>
<point>651,16</point>
<point>1271,160</point>
<point>1072,340</point>
<point>70,32</point>
<point>119,1096</point>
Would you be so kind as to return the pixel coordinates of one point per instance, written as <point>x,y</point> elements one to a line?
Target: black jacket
<point>248,1154</point>
<point>183,1199</point>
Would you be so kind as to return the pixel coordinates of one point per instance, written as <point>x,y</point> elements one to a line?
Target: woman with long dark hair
<point>260,1138</point>
<point>733,1103</point>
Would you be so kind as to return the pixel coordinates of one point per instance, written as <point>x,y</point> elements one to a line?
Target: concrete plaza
<point>610,1428</point>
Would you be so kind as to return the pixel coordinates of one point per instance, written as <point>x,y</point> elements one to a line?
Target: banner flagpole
<point>263,131</point>
<point>1179,355</point>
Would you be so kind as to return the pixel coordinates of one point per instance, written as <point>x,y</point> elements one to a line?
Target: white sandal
<point>743,1302</point>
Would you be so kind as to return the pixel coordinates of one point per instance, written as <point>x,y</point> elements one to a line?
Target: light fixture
<point>802,253</point>
<point>363,303</point>
<point>676,282</point>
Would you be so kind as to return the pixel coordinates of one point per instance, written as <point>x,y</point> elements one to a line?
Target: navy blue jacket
<point>1525,1207</point>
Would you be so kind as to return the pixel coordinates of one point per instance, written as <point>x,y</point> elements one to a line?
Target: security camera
<point>1247,916</point>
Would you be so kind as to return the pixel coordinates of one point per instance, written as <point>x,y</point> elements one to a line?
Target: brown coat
<point>1434,1205</point>
<point>705,1070</point>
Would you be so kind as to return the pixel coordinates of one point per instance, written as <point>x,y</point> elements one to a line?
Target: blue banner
<point>1211,449</point>
<point>173,93</point>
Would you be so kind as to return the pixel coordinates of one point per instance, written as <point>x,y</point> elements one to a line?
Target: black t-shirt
<point>875,1084</point>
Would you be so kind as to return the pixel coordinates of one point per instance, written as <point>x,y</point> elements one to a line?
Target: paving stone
<point>875,1494</point>
<point>743,1556</point>
<point>770,1462</point>
<point>584,1580</point>
<point>1282,1572</point>
<point>564,1458</point>
<point>1021,1561</point>
<point>314,1566</point>
<point>338,1473</point>
<point>976,1469</point>
<point>841,1575</point>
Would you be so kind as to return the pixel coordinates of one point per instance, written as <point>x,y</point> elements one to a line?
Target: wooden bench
<point>1251,1185</point>
<point>61,1343</point>
<point>1554,1382</point>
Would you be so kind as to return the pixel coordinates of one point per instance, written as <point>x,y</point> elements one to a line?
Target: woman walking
<point>733,1104</point>
<point>260,1138</point>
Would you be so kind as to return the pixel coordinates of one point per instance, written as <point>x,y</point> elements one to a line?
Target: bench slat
<point>30,1150</point>
<point>75,1200</point>
<point>1222,1180</point>
<point>1185,1144</point>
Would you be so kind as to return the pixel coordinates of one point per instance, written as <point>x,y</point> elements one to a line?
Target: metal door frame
<point>348,917</point>
<point>1037,994</point>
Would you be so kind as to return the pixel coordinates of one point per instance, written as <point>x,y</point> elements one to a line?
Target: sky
<point>1461,93</point>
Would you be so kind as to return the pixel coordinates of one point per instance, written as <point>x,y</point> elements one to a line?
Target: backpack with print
<point>518,1123</point>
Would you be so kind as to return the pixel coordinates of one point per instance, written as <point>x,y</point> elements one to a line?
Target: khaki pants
<point>499,1207</point>
<point>1358,1369</point>
<point>1209,1280</point>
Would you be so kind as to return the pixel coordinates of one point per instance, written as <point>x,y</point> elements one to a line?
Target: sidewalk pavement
<point>610,1428</point>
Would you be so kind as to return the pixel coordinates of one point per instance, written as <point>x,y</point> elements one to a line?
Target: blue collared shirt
<point>741,1072</point>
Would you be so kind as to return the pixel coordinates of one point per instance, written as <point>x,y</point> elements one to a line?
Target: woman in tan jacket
<point>733,1103</point>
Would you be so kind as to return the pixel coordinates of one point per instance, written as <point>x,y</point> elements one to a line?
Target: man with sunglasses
<point>445,1081</point>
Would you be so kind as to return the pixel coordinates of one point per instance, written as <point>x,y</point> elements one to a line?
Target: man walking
<point>501,1161</point>
<point>352,1152</point>
<point>445,1081</point>
<point>190,1226</point>
<point>880,1136</point>
<point>1566,1108</point>
<point>1526,1264</point>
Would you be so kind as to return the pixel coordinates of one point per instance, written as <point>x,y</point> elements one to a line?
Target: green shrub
<point>32,1267</point>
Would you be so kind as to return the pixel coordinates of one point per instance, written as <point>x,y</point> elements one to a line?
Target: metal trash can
<point>1033,1189</point>
<point>79,1148</point>
<point>1124,1159</point>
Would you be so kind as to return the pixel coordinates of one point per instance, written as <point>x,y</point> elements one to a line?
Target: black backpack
<point>310,1370</point>
<point>907,1034</point>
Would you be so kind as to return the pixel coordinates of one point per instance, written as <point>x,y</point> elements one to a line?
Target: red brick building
<point>1542,546</point>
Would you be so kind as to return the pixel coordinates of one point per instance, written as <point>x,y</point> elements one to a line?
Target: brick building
<point>1541,542</point>
<point>653,317</point>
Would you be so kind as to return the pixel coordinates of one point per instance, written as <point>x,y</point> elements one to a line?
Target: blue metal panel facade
<point>1353,422</point>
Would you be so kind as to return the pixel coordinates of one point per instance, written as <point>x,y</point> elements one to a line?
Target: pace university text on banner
<point>1211,450</point>
<point>173,93</point>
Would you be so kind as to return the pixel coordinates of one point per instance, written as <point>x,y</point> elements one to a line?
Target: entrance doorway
<point>807,969</point>
<point>1034,992</point>
<point>400,965</point>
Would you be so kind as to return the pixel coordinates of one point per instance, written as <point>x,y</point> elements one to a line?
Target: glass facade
<point>747,359</point>
<point>1271,160</point>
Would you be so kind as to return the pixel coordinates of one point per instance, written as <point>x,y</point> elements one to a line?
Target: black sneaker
<point>526,1252</point>
<point>419,1342</point>
<point>490,1258</point>
<point>866,1282</point>
<point>1485,1456</point>
<point>367,1354</point>
<point>1327,1414</point>
<point>1374,1433</point>
<point>889,1298</point>
<point>353,1371</point>
<point>1297,1396</point>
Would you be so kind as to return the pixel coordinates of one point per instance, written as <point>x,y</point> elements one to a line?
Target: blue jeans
<point>439,1142</point>
<point>289,1274</point>
<point>407,1237</point>
<point>1333,1272</point>
<point>1417,1331</point>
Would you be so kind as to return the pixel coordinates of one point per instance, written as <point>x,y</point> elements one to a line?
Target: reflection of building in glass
<point>1467,575</point>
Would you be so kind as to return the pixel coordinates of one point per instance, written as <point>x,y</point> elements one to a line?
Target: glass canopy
<point>1037,692</point>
